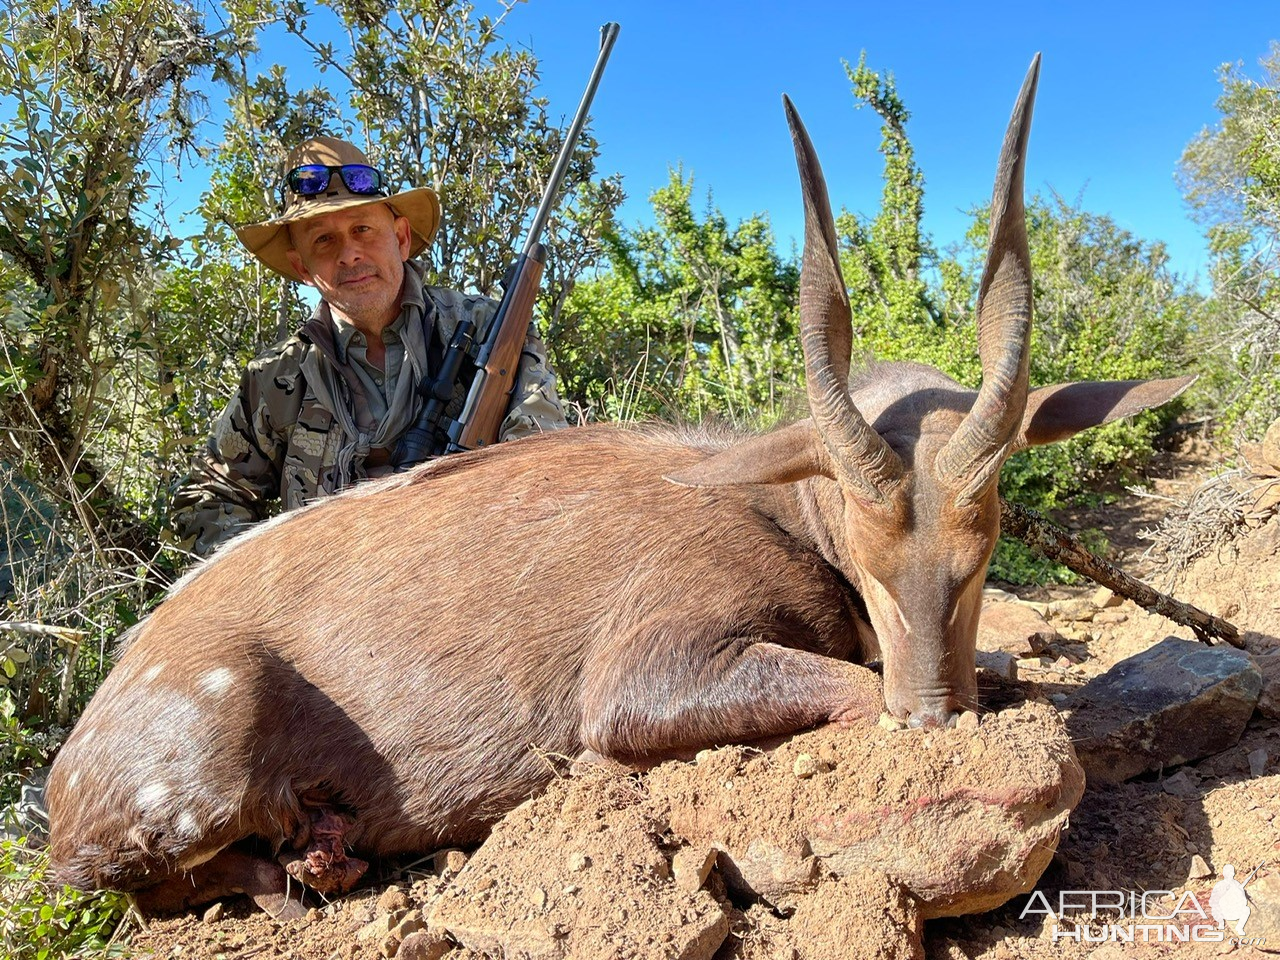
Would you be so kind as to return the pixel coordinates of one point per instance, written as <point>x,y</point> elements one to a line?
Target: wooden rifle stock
<point>496,379</point>
<point>498,362</point>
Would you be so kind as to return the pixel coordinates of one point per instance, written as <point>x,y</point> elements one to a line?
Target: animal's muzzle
<point>937,714</point>
<point>936,706</point>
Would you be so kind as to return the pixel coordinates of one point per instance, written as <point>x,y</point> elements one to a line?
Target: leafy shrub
<point>42,921</point>
<point>1230,175</point>
<point>1014,562</point>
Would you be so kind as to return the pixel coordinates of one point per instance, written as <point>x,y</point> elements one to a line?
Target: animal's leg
<point>230,872</point>
<point>324,865</point>
<point>661,694</point>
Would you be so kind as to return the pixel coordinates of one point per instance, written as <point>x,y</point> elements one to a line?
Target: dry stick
<point>65,634</point>
<point>1058,545</point>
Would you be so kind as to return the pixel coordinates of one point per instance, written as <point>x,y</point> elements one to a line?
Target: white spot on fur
<point>87,736</point>
<point>217,680</point>
<point>73,779</point>
<point>188,826</point>
<point>152,673</point>
<point>153,795</point>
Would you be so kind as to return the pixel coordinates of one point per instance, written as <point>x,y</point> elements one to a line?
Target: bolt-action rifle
<point>496,353</point>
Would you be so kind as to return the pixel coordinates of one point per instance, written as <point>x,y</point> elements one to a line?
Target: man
<point>326,407</point>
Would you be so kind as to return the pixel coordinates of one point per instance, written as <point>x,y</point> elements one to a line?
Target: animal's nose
<point>933,715</point>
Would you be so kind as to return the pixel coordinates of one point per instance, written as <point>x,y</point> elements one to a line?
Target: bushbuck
<point>387,670</point>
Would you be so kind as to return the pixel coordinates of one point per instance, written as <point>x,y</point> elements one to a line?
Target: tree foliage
<point>442,102</point>
<point>1230,175</point>
<point>884,259</point>
<point>99,90</point>
<point>692,316</point>
<point>99,94</point>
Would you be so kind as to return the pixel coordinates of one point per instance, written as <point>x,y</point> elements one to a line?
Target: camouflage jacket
<point>292,432</point>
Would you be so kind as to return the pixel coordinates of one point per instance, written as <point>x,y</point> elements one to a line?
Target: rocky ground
<point>864,843</point>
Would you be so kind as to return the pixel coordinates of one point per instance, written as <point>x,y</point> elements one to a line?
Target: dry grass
<point>1221,509</point>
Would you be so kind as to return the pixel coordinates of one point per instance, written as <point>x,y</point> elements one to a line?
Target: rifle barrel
<point>608,34</point>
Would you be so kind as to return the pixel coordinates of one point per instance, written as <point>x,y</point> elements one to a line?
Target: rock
<point>778,870</point>
<point>1266,501</point>
<point>1269,665</point>
<point>1264,912</point>
<point>1271,446</point>
<point>214,913</point>
<point>423,946</point>
<point>1013,628</point>
<point>999,662</point>
<point>379,927</point>
<point>1105,597</point>
<point>962,819</point>
<point>1199,869</point>
<point>392,899</point>
<point>362,913</point>
<point>891,723</point>
<point>447,862</point>
<point>1079,610</point>
<point>1173,703</point>
<point>1181,784</point>
<point>1028,664</point>
<point>691,866</point>
<point>806,766</point>
<point>1110,617</point>
<point>407,925</point>
<point>1258,762</point>
<point>961,837</point>
<point>967,721</point>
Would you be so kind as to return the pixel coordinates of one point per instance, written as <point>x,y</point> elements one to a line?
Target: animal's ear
<point>782,456</point>
<point>1063,410</point>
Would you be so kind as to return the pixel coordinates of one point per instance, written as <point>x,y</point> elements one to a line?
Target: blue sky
<point>1123,89</point>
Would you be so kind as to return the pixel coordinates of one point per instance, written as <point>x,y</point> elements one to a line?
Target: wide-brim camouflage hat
<point>269,240</point>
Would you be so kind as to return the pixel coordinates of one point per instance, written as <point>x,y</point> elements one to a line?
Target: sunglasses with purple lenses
<point>312,179</point>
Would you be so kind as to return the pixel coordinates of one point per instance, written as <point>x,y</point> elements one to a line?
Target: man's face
<point>355,258</point>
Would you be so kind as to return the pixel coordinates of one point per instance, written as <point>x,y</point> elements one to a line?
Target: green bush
<point>42,921</point>
<point>1016,563</point>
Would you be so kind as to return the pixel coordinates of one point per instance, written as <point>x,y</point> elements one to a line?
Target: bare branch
<point>1058,545</point>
